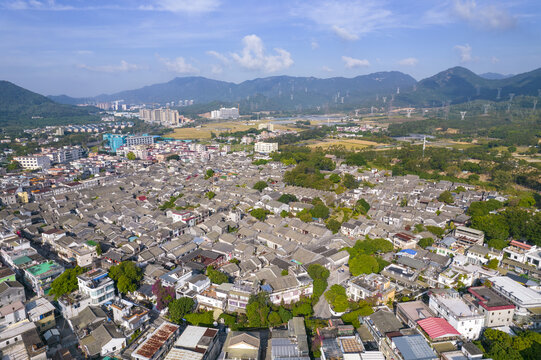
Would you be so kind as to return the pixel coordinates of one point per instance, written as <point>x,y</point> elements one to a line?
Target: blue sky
<point>88,47</point>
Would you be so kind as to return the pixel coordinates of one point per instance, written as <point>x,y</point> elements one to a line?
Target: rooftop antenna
<point>462,115</point>
<point>408,112</point>
<point>384,99</point>
<point>499,93</point>
<point>511,96</point>
<point>486,106</point>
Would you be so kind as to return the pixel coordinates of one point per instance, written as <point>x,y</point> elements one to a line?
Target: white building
<point>97,285</point>
<point>34,162</point>
<point>265,148</point>
<point>139,140</point>
<point>225,113</point>
<point>166,117</point>
<point>524,298</point>
<point>465,318</point>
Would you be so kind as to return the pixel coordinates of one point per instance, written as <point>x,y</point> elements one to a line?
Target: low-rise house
<point>498,310</point>
<point>467,236</point>
<point>412,347</point>
<point>158,343</point>
<point>412,311</point>
<point>374,286</point>
<point>40,276</point>
<point>102,341</point>
<point>130,316</point>
<point>290,288</point>
<point>522,297</point>
<point>11,314</point>
<point>195,343</point>
<point>462,316</point>
<point>41,312</point>
<point>97,285</point>
<point>11,291</point>
<point>6,274</point>
<point>291,343</point>
<point>239,295</point>
<point>404,241</point>
<point>241,346</point>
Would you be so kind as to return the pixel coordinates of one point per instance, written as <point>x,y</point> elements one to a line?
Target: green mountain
<point>270,93</point>
<point>23,108</point>
<point>459,85</point>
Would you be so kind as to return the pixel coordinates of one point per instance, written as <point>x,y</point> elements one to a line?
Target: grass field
<point>349,144</point>
<point>203,132</point>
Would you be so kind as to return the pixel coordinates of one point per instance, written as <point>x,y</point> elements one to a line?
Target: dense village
<point>180,250</point>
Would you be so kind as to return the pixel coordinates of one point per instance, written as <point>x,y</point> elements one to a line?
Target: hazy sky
<point>88,47</point>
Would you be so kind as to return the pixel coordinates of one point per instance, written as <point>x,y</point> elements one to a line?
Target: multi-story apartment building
<point>238,297</point>
<point>96,284</point>
<point>467,236</point>
<point>462,316</point>
<point>166,117</point>
<point>225,113</point>
<point>40,276</point>
<point>524,253</point>
<point>498,310</point>
<point>34,162</point>
<point>41,312</point>
<point>374,286</point>
<point>265,147</point>
<point>523,297</point>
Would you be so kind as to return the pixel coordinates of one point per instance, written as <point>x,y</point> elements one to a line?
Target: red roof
<point>437,327</point>
<point>520,245</point>
<point>142,198</point>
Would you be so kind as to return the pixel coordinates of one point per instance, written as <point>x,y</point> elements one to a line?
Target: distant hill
<point>495,76</point>
<point>460,85</point>
<point>23,108</point>
<point>270,93</point>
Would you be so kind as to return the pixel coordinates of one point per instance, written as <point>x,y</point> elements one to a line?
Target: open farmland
<point>203,132</point>
<point>347,143</point>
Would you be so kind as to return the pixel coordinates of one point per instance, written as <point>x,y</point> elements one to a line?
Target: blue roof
<point>408,251</point>
<point>414,347</point>
<point>266,288</point>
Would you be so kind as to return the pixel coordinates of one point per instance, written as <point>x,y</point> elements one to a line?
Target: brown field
<point>347,143</point>
<point>203,132</point>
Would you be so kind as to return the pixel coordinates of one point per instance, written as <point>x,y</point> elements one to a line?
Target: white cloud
<point>218,56</point>
<point>314,45</point>
<point>327,69</point>
<point>348,19</point>
<point>254,57</point>
<point>354,63</point>
<point>36,5</point>
<point>464,51</point>
<point>123,67</point>
<point>185,6</point>
<point>178,65</point>
<point>494,60</point>
<point>411,61</point>
<point>490,16</point>
<point>216,69</point>
<point>344,34</point>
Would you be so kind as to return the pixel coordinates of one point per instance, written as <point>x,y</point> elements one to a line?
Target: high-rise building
<point>265,148</point>
<point>225,113</point>
<point>34,162</point>
<point>166,117</point>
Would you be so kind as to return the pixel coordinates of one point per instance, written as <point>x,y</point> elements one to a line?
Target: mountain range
<point>456,85</point>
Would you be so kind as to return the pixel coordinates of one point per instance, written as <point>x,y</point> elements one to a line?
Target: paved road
<point>321,310</point>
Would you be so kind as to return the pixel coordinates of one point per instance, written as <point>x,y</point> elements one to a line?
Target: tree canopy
<point>260,185</point>
<point>66,283</point>
<point>126,276</point>
<point>446,197</point>
<point>178,308</point>
<point>215,276</point>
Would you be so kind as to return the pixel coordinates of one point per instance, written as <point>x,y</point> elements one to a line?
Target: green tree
<point>258,310</point>
<point>363,264</point>
<point>126,275</point>
<point>215,276</point>
<point>178,308</point>
<point>493,264</point>
<point>336,297</point>
<point>274,319</point>
<point>131,156</point>
<point>320,211</point>
<point>335,178</point>
<point>349,181</point>
<point>287,198</point>
<point>446,197</point>
<point>425,242</point>
<point>285,314</point>
<point>205,318</point>
<point>362,206</point>
<point>333,225</point>
<point>355,159</point>
<point>493,226</point>
<point>13,165</point>
<point>305,215</point>
<point>259,213</point>
<point>436,230</point>
<point>172,157</point>
<point>209,174</point>
<point>260,185</point>
<point>66,283</point>
<point>98,249</point>
<point>285,272</point>
<point>353,317</point>
<point>210,195</point>
<point>302,308</point>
